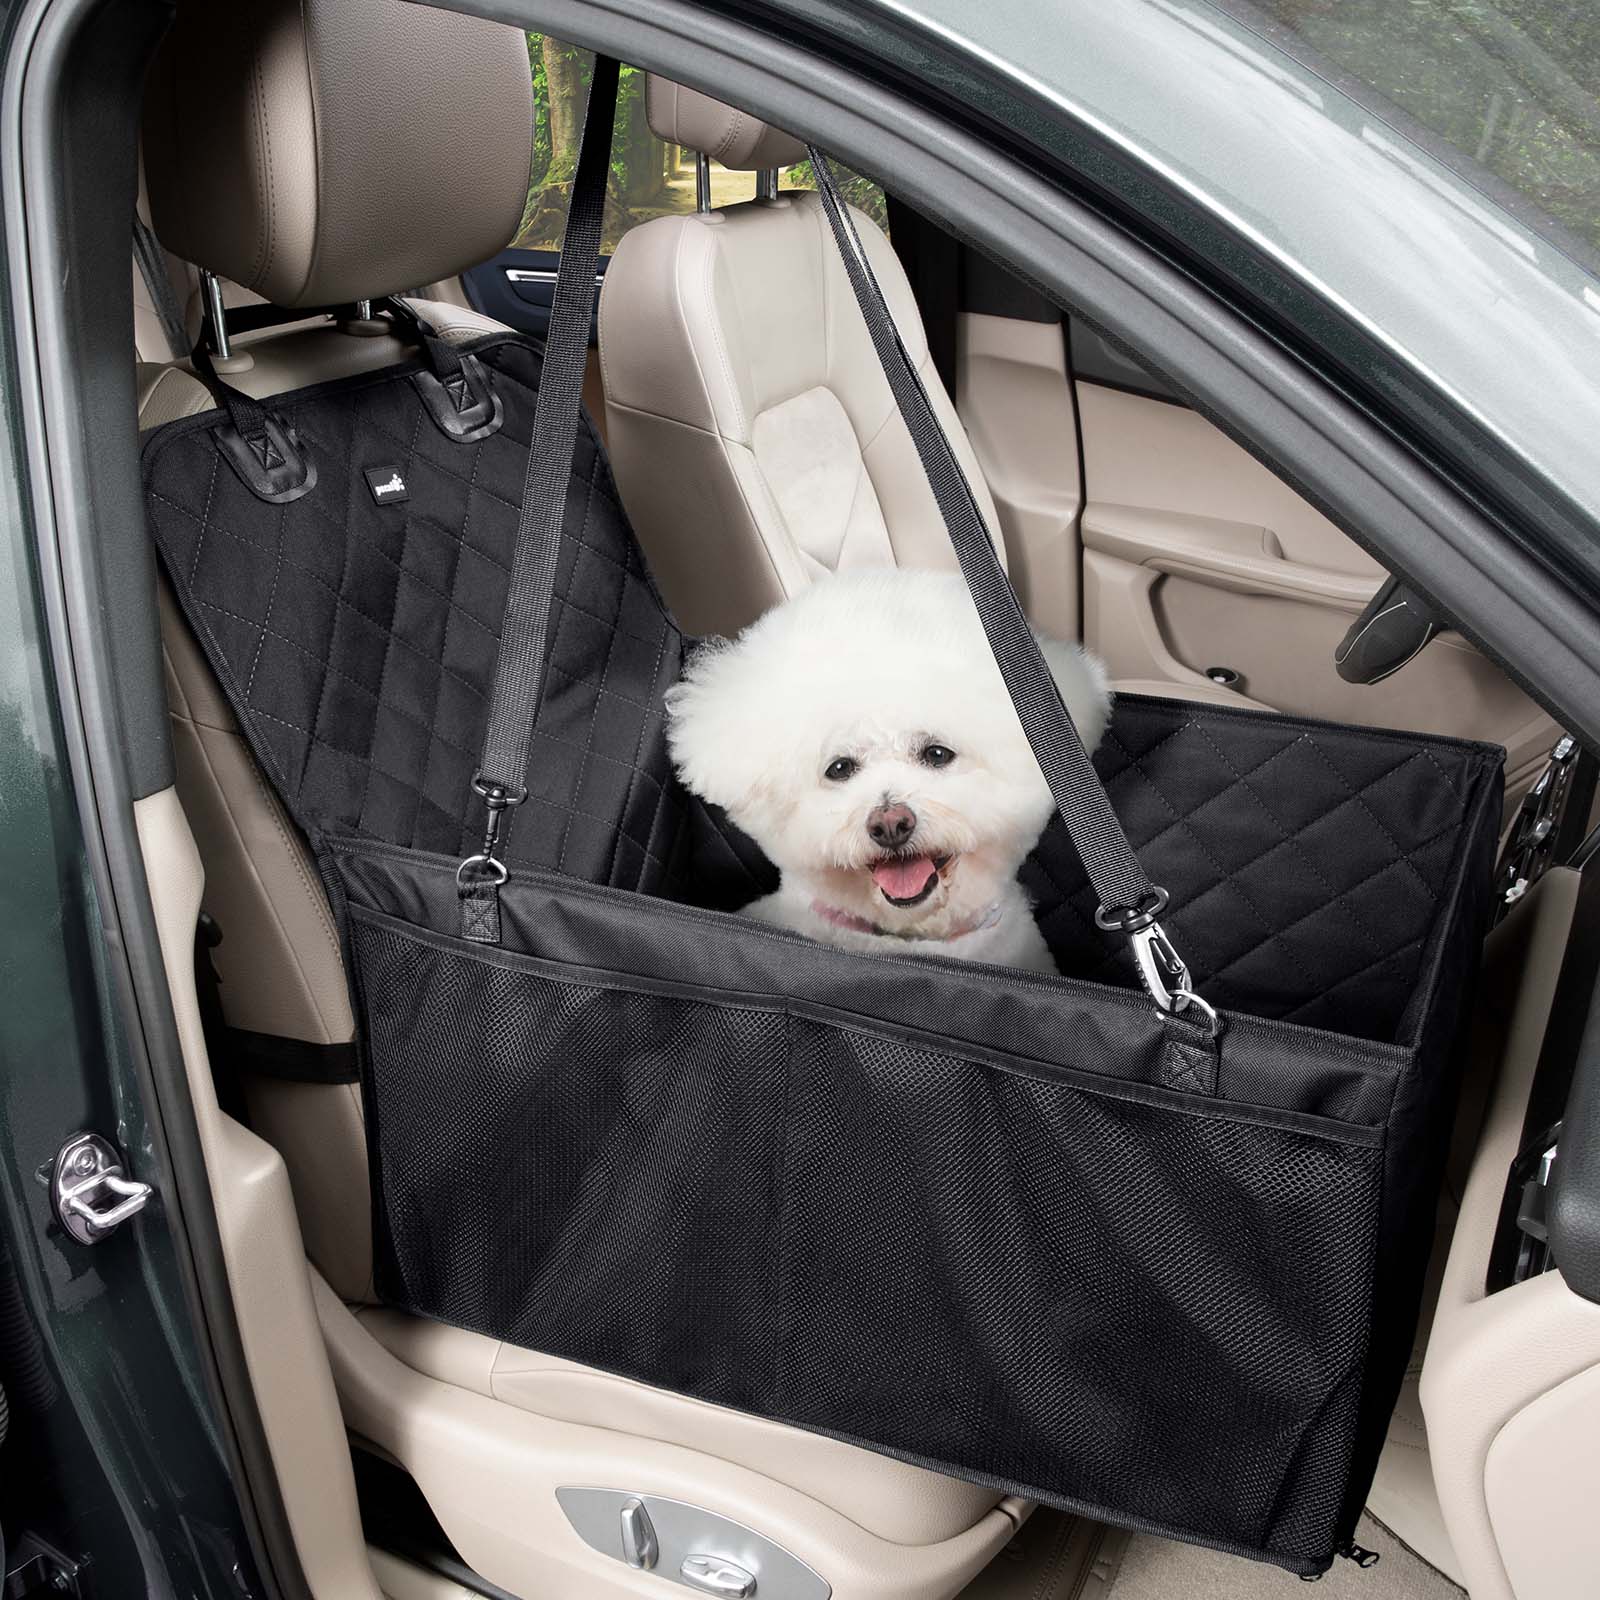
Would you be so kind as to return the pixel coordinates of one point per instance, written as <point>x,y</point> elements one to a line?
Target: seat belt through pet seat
<point>1129,902</point>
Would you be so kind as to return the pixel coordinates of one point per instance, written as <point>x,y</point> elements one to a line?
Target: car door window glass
<point>649,177</point>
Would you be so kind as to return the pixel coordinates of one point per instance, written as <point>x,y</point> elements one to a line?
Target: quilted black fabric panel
<point>1308,863</point>
<point>356,637</point>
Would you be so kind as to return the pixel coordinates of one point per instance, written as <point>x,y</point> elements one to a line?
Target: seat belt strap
<point>519,672</point>
<point>152,262</point>
<point>1129,902</point>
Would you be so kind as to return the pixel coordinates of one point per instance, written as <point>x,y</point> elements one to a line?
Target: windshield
<point>1507,92</point>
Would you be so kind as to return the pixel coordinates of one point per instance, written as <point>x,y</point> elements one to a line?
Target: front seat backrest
<point>752,432</point>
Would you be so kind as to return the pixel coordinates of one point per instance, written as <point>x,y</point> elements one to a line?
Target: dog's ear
<point>1085,689</point>
<point>717,715</point>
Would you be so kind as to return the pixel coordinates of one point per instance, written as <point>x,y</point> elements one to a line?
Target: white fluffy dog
<point>861,734</point>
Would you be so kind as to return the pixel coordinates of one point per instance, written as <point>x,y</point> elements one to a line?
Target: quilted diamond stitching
<point>1389,964</point>
<point>1224,880</point>
<point>635,841</point>
<point>637,828</point>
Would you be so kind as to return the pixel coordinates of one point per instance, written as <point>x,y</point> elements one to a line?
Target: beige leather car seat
<point>752,431</point>
<point>435,111</point>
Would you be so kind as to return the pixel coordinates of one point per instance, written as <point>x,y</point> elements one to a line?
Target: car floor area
<point>1060,1557</point>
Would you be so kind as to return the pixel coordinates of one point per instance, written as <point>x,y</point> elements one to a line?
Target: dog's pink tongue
<point>904,876</point>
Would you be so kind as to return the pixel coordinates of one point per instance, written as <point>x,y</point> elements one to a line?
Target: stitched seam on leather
<point>705,389</point>
<point>774,513</point>
<point>741,420</point>
<point>725,143</point>
<point>265,234</point>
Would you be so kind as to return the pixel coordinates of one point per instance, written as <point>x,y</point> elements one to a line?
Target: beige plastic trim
<point>892,1500</point>
<point>490,1472</point>
<point>1491,1358</point>
<point>1014,398</point>
<point>1541,1481</point>
<point>262,1251</point>
<point>1243,557</point>
<point>404,1580</point>
<point>1167,458</point>
<point>1119,625</point>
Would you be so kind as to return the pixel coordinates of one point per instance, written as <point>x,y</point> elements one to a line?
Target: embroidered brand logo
<point>387,485</point>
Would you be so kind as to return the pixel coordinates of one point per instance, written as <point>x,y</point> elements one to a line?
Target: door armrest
<point>1231,555</point>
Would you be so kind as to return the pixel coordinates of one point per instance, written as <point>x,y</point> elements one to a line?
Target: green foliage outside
<point>1514,85</point>
<point>864,194</point>
<point>648,178</point>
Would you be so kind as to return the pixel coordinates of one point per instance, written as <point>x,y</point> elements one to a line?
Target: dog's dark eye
<point>936,755</point>
<point>841,768</point>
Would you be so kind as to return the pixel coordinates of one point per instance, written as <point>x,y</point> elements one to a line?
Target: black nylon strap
<point>152,262</point>
<point>1080,797</point>
<point>518,678</point>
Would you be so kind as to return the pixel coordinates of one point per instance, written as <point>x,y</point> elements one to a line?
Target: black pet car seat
<point>1145,1240</point>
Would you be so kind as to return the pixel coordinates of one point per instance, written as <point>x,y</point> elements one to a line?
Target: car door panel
<point>517,286</point>
<point>1198,560</point>
<point>1013,397</point>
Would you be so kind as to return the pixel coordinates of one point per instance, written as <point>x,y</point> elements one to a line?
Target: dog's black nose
<point>890,826</point>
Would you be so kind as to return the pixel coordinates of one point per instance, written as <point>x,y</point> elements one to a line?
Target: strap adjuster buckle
<point>498,798</point>
<point>1132,919</point>
<point>1164,973</point>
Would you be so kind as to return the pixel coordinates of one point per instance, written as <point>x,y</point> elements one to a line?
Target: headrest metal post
<point>363,311</point>
<point>216,317</point>
<point>702,182</point>
<point>767,184</point>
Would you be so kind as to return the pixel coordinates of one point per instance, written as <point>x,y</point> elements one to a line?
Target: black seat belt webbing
<point>152,261</point>
<point>519,673</point>
<point>1129,902</point>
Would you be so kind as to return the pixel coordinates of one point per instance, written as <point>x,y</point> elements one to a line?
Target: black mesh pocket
<point>1132,1302</point>
<point>580,1169</point>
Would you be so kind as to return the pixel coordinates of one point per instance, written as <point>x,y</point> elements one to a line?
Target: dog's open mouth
<point>908,880</point>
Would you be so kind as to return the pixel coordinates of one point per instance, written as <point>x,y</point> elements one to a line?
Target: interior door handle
<point>1393,628</point>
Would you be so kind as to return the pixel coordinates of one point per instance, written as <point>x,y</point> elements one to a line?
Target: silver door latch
<point>91,1194</point>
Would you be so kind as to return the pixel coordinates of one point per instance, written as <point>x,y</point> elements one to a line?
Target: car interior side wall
<point>1201,570</point>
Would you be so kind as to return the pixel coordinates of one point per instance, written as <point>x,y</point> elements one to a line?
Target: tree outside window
<point>649,178</point>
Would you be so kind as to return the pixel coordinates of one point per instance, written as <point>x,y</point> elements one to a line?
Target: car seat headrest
<point>326,151</point>
<point>743,143</point>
